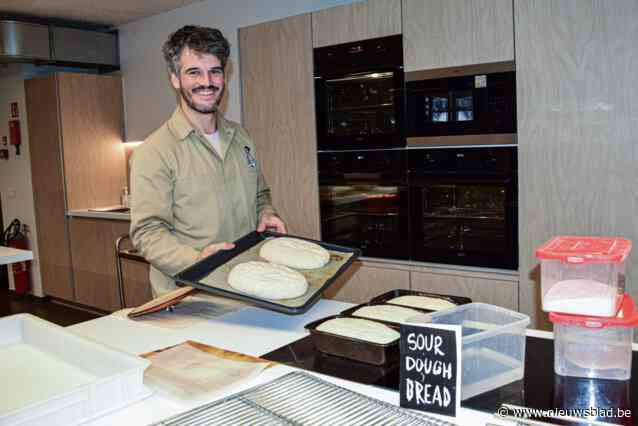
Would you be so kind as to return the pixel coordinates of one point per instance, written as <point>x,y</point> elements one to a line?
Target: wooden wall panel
<point>92,131</point>
<point>48,187</point>
<point>357,21</point>
<point>576,68</point>
<point>278,111</point>
<point>367,279</point>
<point>450,33</point>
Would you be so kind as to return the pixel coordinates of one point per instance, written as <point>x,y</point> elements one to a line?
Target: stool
<point>131,254</point>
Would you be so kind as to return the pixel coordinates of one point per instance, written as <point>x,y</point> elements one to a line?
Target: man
<point>196,183</point>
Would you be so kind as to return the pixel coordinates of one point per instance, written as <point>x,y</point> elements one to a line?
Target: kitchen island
<point>244,329</point>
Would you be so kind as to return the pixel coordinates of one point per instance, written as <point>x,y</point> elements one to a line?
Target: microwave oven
<point>461,106</point>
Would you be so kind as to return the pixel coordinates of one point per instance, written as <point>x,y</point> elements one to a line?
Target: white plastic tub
<point>594,347</point>
<point>493,345</point>
<point>53,377</point>
<point>583,275</point>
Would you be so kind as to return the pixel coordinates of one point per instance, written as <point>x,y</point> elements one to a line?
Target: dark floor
<point>11,303</point>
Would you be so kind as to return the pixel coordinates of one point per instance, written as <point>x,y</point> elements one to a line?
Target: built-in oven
<point>464,206</point>
<point>445,111</point>
<point>359,94</point>
<point>364,201</point>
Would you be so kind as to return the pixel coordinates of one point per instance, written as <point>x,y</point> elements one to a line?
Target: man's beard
<point>202,109</point>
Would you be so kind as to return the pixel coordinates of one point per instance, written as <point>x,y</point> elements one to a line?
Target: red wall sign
<point>14,110</point>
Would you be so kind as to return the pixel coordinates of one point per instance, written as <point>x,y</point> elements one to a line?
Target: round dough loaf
<point>391,313</point>
<point>361,329</point>
<point>422,302</point>
<point>294,253</point>
<point>267,280</point>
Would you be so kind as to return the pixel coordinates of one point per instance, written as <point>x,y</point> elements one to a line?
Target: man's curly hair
<point>199,39</point>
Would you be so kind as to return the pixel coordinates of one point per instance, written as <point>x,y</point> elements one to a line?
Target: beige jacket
<point>184,196</point>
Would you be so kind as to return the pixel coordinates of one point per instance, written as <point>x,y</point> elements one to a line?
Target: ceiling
<point>103,12</point>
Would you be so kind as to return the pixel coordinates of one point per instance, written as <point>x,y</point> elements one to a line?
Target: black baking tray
<point>383,298</point>
<point>351,348</point>
<point>191,275</point>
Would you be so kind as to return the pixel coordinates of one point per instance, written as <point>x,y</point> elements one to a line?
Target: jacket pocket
<point>196,204</point>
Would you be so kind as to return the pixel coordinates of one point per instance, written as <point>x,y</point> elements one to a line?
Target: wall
<point>148,98</point>
<point>576,63</point>
<point>15,174</point>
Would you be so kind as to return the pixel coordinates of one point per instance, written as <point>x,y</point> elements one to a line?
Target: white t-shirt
<point>214,142</point>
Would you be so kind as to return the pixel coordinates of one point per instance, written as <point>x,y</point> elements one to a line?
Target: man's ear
<point>175,81</point>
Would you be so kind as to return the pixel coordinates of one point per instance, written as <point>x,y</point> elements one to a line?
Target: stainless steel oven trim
<point>460,71</point>
<point>504,139</point>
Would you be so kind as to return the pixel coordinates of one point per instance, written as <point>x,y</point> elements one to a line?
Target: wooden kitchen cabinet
<point>495,289</point>
<point>137,285</point>
<point>357,21</point>
<point>135,277</point>
<point>451,33</point>
<point>75,133</point>
<point>94,269</point>
<point>93,254</point>
<point>367,279</point>
<point>279,113</point>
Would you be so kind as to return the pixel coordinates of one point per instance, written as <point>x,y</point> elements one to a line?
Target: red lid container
<point>571,249</point>
<point>627,317</point>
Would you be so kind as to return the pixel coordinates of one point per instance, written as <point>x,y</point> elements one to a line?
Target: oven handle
<point>428,180</point>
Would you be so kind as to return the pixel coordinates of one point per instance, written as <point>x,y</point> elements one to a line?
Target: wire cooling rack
<point>298,399</point>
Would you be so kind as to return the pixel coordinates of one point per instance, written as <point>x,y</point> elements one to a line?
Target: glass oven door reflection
<point>468,223</point>
<point>370,217</point>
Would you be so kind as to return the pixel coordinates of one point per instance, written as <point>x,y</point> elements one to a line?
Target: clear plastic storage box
<point>595,347</point>
<point>583,275</point>
<point>493,345</point>
<point>52,377</point>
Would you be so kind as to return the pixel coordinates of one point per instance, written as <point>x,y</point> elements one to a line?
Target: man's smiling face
<point>200,82</point>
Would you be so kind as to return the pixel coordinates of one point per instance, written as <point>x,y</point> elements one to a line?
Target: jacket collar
<point>181,127</point>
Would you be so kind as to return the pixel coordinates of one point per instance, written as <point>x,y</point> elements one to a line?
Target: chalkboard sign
<point>430,375</point>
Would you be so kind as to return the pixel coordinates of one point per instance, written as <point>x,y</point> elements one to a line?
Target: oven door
<point>465,221</point>
<point>364,202</point>
<point>360,110</point>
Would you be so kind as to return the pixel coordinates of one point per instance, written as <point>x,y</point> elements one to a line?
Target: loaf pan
<point>354,349</point>
<point>383,298</point>
<point>350,313</point>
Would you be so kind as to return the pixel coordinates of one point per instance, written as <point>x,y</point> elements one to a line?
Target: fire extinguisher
<point>16,236</point>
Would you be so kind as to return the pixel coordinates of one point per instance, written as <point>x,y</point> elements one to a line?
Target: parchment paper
<point>192,310</point>
<point>193,371</point>
<point>316,277</point>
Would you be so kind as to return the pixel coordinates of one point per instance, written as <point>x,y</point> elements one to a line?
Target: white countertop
<point>250,330</point>
<point>98,215</point>
<point>11,255</point>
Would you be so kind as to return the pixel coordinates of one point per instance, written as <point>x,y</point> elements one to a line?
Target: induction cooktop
<point>539,388</point>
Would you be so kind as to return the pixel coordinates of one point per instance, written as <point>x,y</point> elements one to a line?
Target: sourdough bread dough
<point>267,280</point>
<point>398,314</point>
<point>361,329</point>
<point>294,253</point>
<point>422,302</point>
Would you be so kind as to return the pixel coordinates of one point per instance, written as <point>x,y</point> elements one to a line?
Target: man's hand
<point>269,220</point>
<point>214,248</point>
